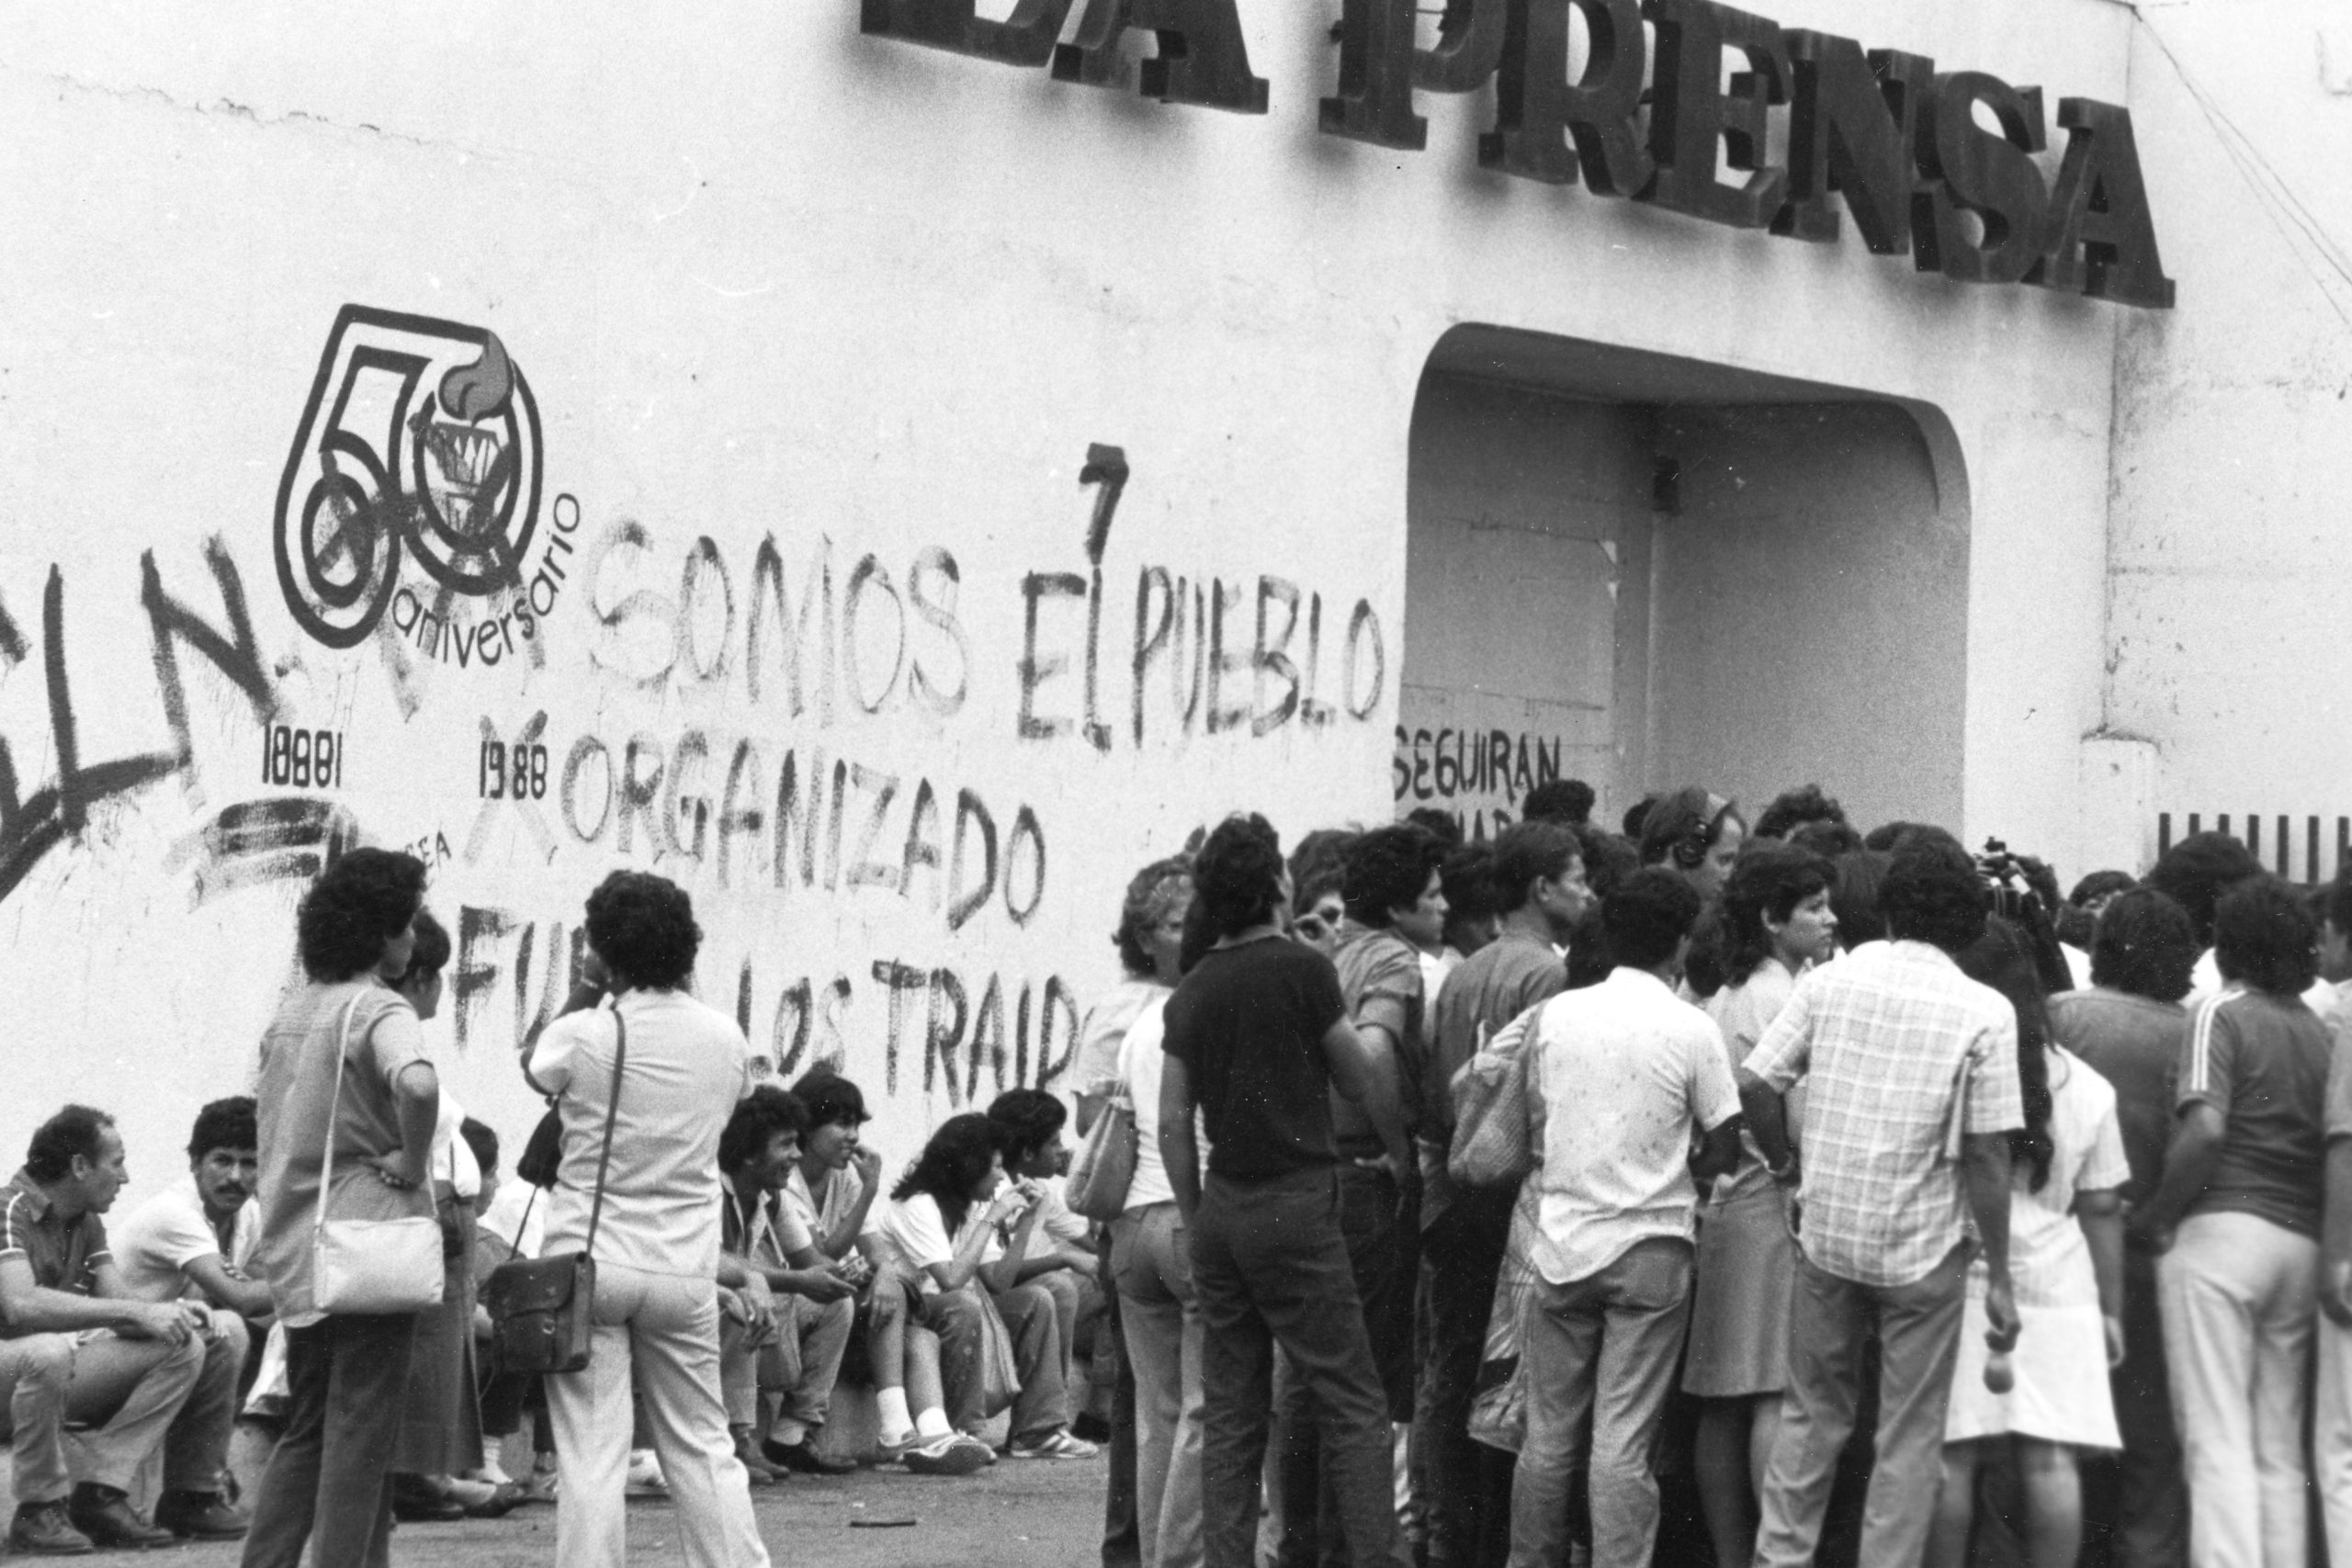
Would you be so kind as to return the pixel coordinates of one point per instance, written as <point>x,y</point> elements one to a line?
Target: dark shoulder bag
<point>543,1310</point>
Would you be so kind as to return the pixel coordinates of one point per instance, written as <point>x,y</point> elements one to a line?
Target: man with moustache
<point>77,1347</point>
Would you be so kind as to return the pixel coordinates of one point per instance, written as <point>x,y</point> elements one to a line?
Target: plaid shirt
<point>1889,1038</point>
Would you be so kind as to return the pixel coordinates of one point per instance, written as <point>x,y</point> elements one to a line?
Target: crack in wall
<point>230,108</point>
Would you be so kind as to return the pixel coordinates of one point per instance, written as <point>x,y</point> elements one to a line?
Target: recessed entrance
<point>1647,571</point>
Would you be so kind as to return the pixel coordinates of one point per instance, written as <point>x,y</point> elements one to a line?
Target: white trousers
<point>2239,1294</point>
<point>2332,1438</point>
<point>656,1335</point>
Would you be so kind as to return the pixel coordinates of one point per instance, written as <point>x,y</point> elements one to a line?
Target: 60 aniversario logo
<point>419,444</point>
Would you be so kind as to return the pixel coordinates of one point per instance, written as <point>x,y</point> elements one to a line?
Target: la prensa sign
<point>1894,137</point>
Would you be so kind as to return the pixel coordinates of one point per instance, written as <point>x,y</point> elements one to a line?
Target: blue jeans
<point>1269,1267</point>
<point>1602,1348</point>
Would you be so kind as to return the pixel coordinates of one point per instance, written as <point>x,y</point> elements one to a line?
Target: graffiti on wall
<point>1479,775</point>
<point>850,751</point>
<point>60,809</point>
<point>419,446</point>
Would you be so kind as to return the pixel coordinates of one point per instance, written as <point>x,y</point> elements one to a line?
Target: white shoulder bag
<point>369,1266</point>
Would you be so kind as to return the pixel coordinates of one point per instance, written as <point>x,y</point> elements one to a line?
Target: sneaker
<point>645,1478</point>
<point>105,1515</point>
<point>41,1529</point>
<point>202,1515</point>
<point>952,1455</point>
<point>1055,1444</point>
<point>803,1457</point>
<point>492,1472</point>
<point>542,1487</point>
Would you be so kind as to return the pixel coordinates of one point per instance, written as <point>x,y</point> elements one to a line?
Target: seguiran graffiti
<point>852,746</point>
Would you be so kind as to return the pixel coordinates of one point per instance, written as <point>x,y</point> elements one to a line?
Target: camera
<point>2008,892</point>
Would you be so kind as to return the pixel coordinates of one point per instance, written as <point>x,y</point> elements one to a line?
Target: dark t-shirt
<point>1379,966</point>
<point>2262,1061</point>
<point>2135,1044</point>
<point>1248,1023</point>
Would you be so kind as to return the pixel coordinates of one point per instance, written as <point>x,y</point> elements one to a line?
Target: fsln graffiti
<point>31,826</point>
<point>383,470</point>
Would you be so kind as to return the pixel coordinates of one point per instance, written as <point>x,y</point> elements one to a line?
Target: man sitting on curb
<point>192,1238</point>
<point>75,1347</point>
<point>789,1322</point>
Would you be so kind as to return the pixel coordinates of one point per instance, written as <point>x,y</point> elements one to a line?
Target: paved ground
<point>1013,1515</point>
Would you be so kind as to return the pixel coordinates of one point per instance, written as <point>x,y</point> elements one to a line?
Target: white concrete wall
<point>2233,437</point>
<point>1521,506</point>
<point>766,276</point>
<point>1812,612</point>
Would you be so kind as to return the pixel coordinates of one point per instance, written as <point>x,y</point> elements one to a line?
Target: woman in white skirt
<point>1777,922</point>
<point>2066,1264</point>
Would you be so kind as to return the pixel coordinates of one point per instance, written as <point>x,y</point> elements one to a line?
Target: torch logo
<point>420,439</point>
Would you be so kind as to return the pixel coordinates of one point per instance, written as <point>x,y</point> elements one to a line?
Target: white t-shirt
<point>519,1210</point>
<point>453,1157</point>
<point>2205,980</point>
<point>688,1066</point>
<point>843,1189</point>
<point>1625,1069</point>
<point>1140,1061</point>
<point>170,1231</point>
<point>1058,1224</point>
<point>915,1227</point>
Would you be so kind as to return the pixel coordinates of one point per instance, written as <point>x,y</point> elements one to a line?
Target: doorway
<point>1645,572</point>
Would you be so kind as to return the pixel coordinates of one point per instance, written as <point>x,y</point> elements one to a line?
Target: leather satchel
<point>543,1310</point>
<point>369,1266</point>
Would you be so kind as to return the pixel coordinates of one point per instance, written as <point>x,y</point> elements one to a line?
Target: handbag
<point>1106,1166</point>
<point>543,1310</point>
<point>543,1151</point>
<point>369,1266</point>
<point>1000,1374</point>
<point>1105,1170</point>
<point>1493,1145</point>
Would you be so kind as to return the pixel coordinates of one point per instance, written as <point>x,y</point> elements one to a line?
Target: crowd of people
<point>1877,1201</point>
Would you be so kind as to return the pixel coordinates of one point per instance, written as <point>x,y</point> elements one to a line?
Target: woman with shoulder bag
<point>1158,1319</point>
<point>644,1088</point>
<point>347,1098</point>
